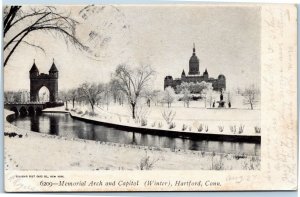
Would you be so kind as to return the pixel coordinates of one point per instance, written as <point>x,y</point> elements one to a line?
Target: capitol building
<point>194,76</point>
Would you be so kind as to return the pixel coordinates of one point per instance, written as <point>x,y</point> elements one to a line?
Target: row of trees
<point>21,96</point>
<point>250,95</point>
<point>132,86</point>
<point>127,85</point>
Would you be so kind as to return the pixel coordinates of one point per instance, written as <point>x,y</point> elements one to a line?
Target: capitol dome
<point>194,63</point>
<point>194,58</point>
<point>221,76</point>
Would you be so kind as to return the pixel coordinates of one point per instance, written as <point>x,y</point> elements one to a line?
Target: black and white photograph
<point>133,88</point>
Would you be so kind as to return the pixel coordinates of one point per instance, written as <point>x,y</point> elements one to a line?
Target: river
<point>64,125</point>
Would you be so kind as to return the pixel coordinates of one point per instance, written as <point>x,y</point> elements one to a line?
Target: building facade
<point>38,80</point>
<point>194,76</point>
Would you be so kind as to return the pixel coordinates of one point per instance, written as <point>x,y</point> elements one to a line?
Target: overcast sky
<point>227,42</point>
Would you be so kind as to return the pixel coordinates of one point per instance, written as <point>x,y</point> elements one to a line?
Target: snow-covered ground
<point>225,121</point>
<point>59,153</point>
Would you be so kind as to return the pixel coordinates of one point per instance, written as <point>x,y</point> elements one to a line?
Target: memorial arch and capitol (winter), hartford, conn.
<point>194,76</point>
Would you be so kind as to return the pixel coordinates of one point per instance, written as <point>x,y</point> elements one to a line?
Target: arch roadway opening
<point>44,94</point>
<point>14,109</point>
<point>23,111</point>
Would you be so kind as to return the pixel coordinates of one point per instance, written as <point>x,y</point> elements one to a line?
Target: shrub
<point>153,124</point>
<point>141,116</point>
<point>200,128</point>
<point>85,113</point>
<point>202,153</point>
<point>241,129</point>
<point>146,163</point>
<point>237,157</point>
<point>160,125</point>
<point>184,127</point>
<point>144,122</point>
<point>79,112</point>
<point>221,128</point>
<point>206,128</point>
<point>213,154</point>
<point>218,165</point>
<point>92,113</point>
<point>233,129</point>
<point>168,116</point>
<point>251,163</point>
<point>190,128</point>
<point>257,129</point>
<point>173,148</point>
<point>172,125</point>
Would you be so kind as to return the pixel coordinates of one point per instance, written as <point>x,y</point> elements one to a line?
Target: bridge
<point>37,81</point>
<point>30,108</point>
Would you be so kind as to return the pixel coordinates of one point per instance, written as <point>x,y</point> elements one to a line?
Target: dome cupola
<point>194,63</point>
<point>34,71</point>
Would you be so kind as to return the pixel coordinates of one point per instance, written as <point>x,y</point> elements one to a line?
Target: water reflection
<point>34,123</point>
<point>64,125</point>
<point>134,142</point>
<point>54,128</point>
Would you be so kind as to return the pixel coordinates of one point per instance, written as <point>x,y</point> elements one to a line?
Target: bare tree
<point>210,98</point>
<point>8,96</point>
<point>251,96</point>
<point>169,96</point>
<point>186,97</point>
<point>64,96</point>
<point>73,95</point>
<point>91,92</point>
<point>149,96</point>
<point>15,96</point>
<point>19,22</point>
<point>207,89</point>
<point>155,96</point>
<point>106,94</point>
<point>229,98</point>
<point>115,91</point>
<point>133,82</point>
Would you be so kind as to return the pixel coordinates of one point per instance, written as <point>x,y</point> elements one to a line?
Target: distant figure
<point>213,104</point>
<point>148,102</point>
<point>229,104</point>
<point>221,102</point>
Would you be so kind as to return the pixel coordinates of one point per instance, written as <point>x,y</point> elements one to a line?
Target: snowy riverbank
<point>110,119</point>
<point>59,153</point>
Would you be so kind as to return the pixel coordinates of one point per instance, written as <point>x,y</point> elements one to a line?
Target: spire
<point>205,72</point>
<point>183,73</point>
<point>194,49</point>
<point>53,67</point>
<point>34,67</point>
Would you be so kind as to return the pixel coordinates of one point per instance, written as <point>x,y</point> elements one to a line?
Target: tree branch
<point>27,29</point>
<point>10,17</point>
<point>33,45</point>
<point>14,48</point>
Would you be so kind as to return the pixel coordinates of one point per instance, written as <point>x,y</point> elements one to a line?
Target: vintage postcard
<point>169,97</point>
